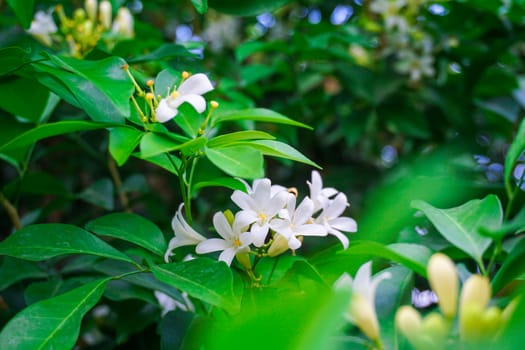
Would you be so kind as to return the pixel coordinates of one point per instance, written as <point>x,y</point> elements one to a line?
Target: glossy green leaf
<point>166,161</point>
<point>132,228</point>
<point>162,52</point>
<point>513,266</point>
<point>460,225</point>
<point>240,161</point>
<point>12,58</point>
<point>153,144</point>
<point>255,114</point>
<point>15,94</point>
<point>45,241</point>
<point>122,142</point>
<point>247,8</point>
<point>47,130</point>
<point>227,182</point>
<point>279,149</point>
<point>202,278</point>
<point>14,270</point>
<point>227,139</point>
<point>101,88</point>
<point>53,287</point>
<point>515,225</point>
<point>189,120</point>
<point>119,290</point>
<point>23,10</point>
<point>515,150</point>
<point>53,323</point>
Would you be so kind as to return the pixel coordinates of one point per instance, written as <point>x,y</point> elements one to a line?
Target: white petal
<point>344,282</point>
<point>336,207</point>
<point>212,245</point>
<point>304,211</point>
<point>243,200</point>
<point>245,217</point>
<point>261,191</point>
<point>222,226</point>
<point>344,240</point>
<point>198,84</point>
<point>310,230</point>
<point>294,243</point>
<point>164,112</point>
<point>259,234</point>
<point>197,101</point>
<point>345,224</point>
<point>227,255</point>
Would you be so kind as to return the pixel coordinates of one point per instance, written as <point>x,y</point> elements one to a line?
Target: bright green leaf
<point>460,225</point>
<point>256,114</point>
<point>240,161</point>
<point>189,120</point>
<point>202,278</point>
<point>132,228</point>
<point>515,150</point>
<point>247,8</point>
<point>53,323</point>
<point>227,182</point>
<point>513,266</point>
<point>122,142</point>
<point>45,241</point>
<point>153,144</point>
<point>23,10</point>
<point>226,139</point>
<point>166,161</point>
<point>200,5</point>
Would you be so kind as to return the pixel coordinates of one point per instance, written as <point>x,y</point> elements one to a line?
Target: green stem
<point>12,212</point>
<point>141,270</point>
<point>495,253</point>
<point>513,195</point>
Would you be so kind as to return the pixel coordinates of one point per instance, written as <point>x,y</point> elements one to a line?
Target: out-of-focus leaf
<point>189,120</point>
<point>14,270</point>
<point>45,241</point>
<point>240,161</point>
<point>132,228</point>
<point>100,193</point>
<point>512,267</point>
<point>12,58</point>
<point>38,183</point>
<point>227,182</point>
<point>53,323</point>
<point>162,52</point>
<point>203,278</point>
<point>119,290</point>
<point>200,5</point>
<point>101,88</point>
<point>23,10</point>
<point>254,73</point>
<point>255,114</point>
<point>515,150</point>
<point>248,8</point>
<point>23,97</point>
<point>517,224</point>
<point>460,225</point>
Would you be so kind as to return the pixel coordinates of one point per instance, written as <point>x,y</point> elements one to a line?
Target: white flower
<point>259,206</point>
<point>234,239</point>
<point>123,24</point>
<point>190,91</point>
<point>332,220</point>
<point>168,304</point>
<point>362,304</point>
<point>297,222</point>
<point>320,196</point>
<point>184,234</point>
<point>42,27</point>
<point>104,13</point>
<point>91,9</point>
<point>416,66</point>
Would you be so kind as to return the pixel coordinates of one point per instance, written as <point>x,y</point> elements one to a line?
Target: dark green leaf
<point>132,228</point>
<point>515,150</point>
<point>122,142</point>
<point>513,267</point>
<point>162,52</point>
<point>14,96</point>
<point>227,182</point>
<point>256,114</point>
<point>52,323</point>
<point>202,278</point>
<point>227,139</point>
<point>44,241</point>
<point>15,270</point>
<point>200,5</point>
<point>38,291</point>
<point>12,58</point>
<point>165,161</point>
<point>278,149</point>
<point>460,225</point>
<point>100,194</point>
<point>247,8</point>
<point>240,161</point>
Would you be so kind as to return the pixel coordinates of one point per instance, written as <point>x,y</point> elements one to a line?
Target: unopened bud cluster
<point>80,33</point>
<point>477,320</point>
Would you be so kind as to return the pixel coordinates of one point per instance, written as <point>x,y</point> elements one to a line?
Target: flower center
<point>262,216</point>
<point>236,242</point>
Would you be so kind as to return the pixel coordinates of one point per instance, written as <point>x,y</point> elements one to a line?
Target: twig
<point>11,211</point>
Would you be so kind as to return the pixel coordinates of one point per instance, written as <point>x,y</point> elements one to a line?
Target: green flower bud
<point>279,245</point>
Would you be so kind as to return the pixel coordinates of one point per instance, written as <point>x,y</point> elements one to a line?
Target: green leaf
<point>247,8</point>
<point>227,182</point>
<point>23,10</point>
<point>101,88</point>
<point>165,161</point>
<point>45,241</point>
<point>240,161</point>
<point>132,228</point>
<point>53,323</point>
<point>202,278</point>
<point>153,144</point>
<point>516,225</point>
<point>14,270</point>
<point>22,141</point>
<point>12,58</point>
<point>122,142</point>
<point>41,290</point>
<point>413,256</point>
<point>460,225</point>
<point>162,52</point>
<point>255,114</point>
<point>14,95</point>
<point>227,139</point>
<point>189,120</point>
<point>200,5</point>
<point>515,150</point>
<point>279,149</point>
<point>513,266</point>
<point>100,193</point>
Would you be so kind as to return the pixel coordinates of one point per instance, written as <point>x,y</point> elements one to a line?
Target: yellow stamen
<point>185,75</point>
<point>237,242</point>
<point>214,104</point>
<point>174,94</point>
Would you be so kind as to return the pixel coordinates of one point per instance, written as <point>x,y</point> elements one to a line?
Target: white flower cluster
<point>270,220</point>
<point>405,38</point>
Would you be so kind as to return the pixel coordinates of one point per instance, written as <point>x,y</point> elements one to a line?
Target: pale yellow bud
<point>124,23</point>
<point>443,279</point>
<point>363,314</point>
<point>279,245</point>
<point>244,260</point>
<point>408,321</point>
<point>435,326</point>
<point>214,104</point>
<point>105,14</point>
<point>79,14</point>
<point>91,9</point>
<point>229,216</point>
<point>475,296</point>
<point>491,321</point>
<point>185,75</point>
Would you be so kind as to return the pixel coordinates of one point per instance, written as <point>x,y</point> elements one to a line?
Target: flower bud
<point>91,9</point>
<point>491,322</point>
<point>105,14</point>
<point>443,279</point>
<point>475,296</point>
<point>435,326</point>
<point>279,245</point>
<point>244,260</point>
<point>124,23</point>
<point>409,322</point>
<point>364,315</point>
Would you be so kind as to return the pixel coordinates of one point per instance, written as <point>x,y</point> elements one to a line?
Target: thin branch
<point>11,211</point>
